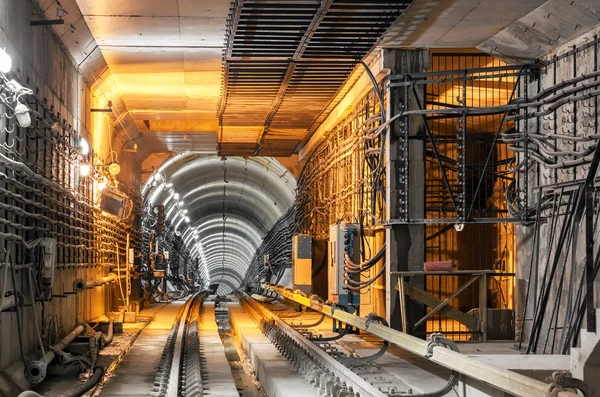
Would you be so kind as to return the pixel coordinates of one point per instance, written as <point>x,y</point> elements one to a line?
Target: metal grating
<point>286,60</point>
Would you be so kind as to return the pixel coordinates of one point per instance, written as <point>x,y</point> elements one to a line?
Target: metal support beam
<point>405,243</point>
<point>502,379</point>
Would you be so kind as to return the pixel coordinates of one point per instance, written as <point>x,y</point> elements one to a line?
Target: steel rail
<point>357,383</point>
<point>173,384</point>
<point>176,371</point>
<point>505,380</point>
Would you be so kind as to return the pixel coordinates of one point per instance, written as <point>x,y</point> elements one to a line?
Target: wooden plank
<point>427,299</point>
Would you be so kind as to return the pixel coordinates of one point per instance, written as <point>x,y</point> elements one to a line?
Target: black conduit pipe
<point>89,384</point>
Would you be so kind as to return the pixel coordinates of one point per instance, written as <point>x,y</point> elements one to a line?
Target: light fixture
<point>84,146</point>
<point>5,61</point>
<point>23,116</point>
<point>114,168</point>
<point>84,169</point>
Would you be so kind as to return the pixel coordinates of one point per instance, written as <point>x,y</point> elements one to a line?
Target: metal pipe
<point>111,277</point>
<point>89,384</point>
<point>105,339</point>
<point>35,371</point>
<point>505,380</point>
<point>29,393</point>
<point>7,302</point>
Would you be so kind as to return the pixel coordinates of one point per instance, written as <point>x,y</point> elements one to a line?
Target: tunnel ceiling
<point>222,208</point>
<point>255,78</point>
<point>284,63</point>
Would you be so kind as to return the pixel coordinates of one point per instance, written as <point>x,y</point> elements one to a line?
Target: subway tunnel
<point>344,198</point>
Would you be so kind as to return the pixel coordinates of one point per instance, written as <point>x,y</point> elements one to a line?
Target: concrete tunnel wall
<point>40,62</point>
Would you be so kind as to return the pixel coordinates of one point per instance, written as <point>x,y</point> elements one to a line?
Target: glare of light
<point>187,219</point>
<point>84,169</point>
<point>102,185</point>
<point>184,211</point>
<point>84,146</point>
<point>176,196</point>
<point>5,61</point>
<point>171,192</point>
<point>181,203</point>
<point>158,177</point>
<point>170,184</point>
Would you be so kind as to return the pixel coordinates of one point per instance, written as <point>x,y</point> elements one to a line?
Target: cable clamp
<point>563,381</point>
<point>370,319</point>
<point>438,339</point>
<point>334,307</point>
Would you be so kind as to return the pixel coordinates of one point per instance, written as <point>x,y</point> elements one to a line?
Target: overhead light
<point>84,146</point>
<point>84,169</point>
<point>23,116</point>
<point>5,61</point>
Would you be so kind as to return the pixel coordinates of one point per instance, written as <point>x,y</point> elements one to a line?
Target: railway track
<point>284,354</point>
<point>179,372</point>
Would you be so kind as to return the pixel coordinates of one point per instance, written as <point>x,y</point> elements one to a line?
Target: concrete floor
<point>134,376</point>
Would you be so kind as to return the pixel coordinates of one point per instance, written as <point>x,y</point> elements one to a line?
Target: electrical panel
<point>344,239</point>
<point>302,255</point>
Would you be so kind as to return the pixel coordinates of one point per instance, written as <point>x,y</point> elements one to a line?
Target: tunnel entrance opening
<point>205,217</point>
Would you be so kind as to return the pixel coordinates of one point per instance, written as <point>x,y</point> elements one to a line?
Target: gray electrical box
<point>302,263</point>
<point>344,239</point>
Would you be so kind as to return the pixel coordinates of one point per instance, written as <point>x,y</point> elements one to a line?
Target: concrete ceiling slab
<point>140,60</point>
<point>549,26</point>
<point>119,8</point>
<point>134,31</point>
<point>164,56</point>
<point>211,9</point>
<point>202,31</point>
<point>454,23</point>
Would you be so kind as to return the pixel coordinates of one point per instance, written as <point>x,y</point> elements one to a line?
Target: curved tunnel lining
<point>222,208</point>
